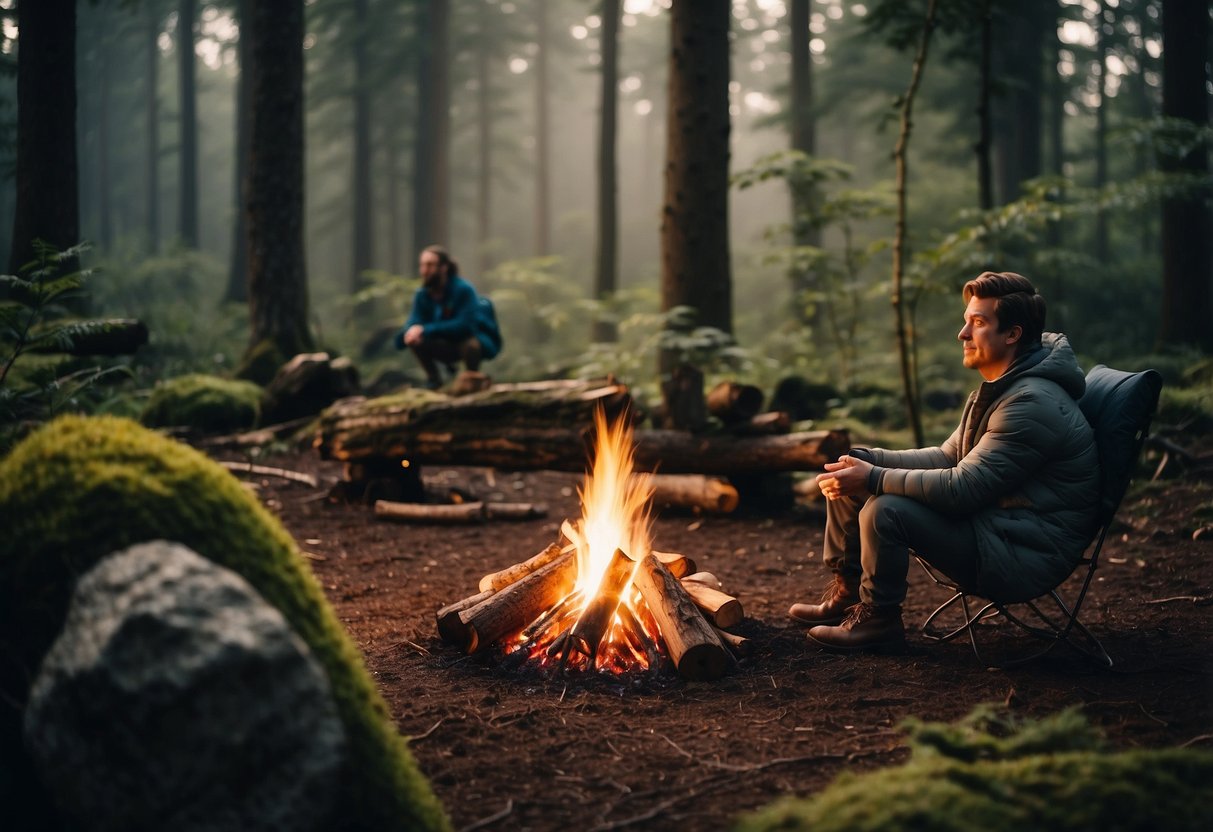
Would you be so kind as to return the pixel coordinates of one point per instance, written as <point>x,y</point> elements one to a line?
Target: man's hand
<point>848,477</point>
<point>414,335</point>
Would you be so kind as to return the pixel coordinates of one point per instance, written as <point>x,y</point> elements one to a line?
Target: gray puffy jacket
<point>1022,464</point>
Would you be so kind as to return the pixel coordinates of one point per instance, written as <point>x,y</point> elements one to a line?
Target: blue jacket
<point>459,313</point>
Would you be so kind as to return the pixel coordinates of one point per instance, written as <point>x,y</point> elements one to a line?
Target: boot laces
<point>834,591</point>
<point>858,614</point>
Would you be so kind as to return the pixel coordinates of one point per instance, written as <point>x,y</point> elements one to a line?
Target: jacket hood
<point>1054,359</point>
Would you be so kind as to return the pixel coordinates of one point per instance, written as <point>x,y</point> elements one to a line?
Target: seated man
<point>1005,506</point>
<point>449,321</point>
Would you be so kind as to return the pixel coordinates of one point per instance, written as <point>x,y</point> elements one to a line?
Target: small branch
<point>1195,740</point>
<point>266,471</point>
<point>431,730</point>
<point>1195,599</point>
<point>491,819</point>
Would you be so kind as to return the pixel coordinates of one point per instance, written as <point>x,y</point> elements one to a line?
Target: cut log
<point>679,565</point>
<point>705,578</point>
<point>474,512</point>
<point>682,399</point>
<point>424,513</point>
<point>520,603</point>
<point>691,641</point>
<point>450,627</point>
<point>740,645</point>
<point>592,625</point>
<point>764,424</point>
<point>731,402</point>
<point>694,491</point>
<point>721,609</point>
<point>502,578</point>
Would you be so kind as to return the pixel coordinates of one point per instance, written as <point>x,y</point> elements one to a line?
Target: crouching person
<point>450,323</point>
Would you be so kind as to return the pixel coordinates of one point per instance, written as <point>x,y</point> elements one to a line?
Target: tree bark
<point>695,269</point>
<point>484,129</point>
<point>806,229</point>
<point>1101,132</point>
<point>691,641</point>
<point>363,229</point>
<point>1187,224</point>
<point>278,294</point>
<point>47,176</point>
<point>237,271</point>
<point>543,209</point>
<point>984,146</point>
<point>431,177</point>
<point>502,578</point>
<point>187,146</point>
<point>104,205</point>
<point>606,265</point>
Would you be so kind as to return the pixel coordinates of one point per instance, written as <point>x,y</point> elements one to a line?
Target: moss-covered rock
<point>81,488</point>
<point>261,362</point>
<point>993,773</point>
<point>206,403</point>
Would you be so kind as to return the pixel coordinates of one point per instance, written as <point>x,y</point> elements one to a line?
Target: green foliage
<point>996,772</point>
<point>202,402</point>
<point>81,488</point>
<point>32,327</point>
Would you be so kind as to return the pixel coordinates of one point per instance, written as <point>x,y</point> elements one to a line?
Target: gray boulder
<point>176,698</point>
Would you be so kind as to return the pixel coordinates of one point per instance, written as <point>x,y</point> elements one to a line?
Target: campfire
<point>600,599</point>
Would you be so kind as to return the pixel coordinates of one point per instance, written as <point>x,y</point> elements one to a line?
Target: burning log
<point>692,643</point>
<point>596,618</point>
<point>519,604</point>
<point>501,579</point>
<point>450,626</point>
<point>694,491</point>
<point>457,513</point>
<point>731,402</point>
<point>721,609</point>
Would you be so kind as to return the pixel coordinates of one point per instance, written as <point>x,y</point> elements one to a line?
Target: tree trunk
<point>606,267</point>
<point>1187,241</point>
<point>152,195</point>
<point>187,14</point>
<point>904,346</point>
<point>695,268</point>
<point>1101,133</point>
<point>47,178</point>
<point>543,208</point>
<point>363,240</point>
<point>985,177</point>
<point>237,272</point>
<point>278,295</point>
<point>484,125</point>
<point>431,177</point>
<point>105,213</point>
<point>806,229</point>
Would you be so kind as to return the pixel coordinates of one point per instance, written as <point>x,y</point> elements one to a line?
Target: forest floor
<point>511,749</point>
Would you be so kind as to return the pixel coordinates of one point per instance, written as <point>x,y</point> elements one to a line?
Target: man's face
<point>432,269</point>
<point>986,349</point>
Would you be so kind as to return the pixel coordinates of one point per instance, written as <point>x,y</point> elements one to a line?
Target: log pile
<point>640,612</point>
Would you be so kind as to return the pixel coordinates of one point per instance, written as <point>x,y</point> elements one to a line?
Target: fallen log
<point>764,424</point>
<point>691,641</point>
<point>721,609</point>
<point>731,402</point>
<point>519,604</point>
<point>267,471</point>
<point>450,627</point>
<point>504,577</point>
<point>694,491</point>
<point>474,512</point>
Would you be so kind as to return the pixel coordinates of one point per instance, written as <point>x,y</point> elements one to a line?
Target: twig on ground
<point>1195,599</point>
<point>431,730</point>
<point>765,764</point>
<point>491,819</point>
<point>267,471</point>
<point>1195,740</point>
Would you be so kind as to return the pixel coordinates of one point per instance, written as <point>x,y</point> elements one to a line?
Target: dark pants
<point>432,350</point>
<point>871,539</point>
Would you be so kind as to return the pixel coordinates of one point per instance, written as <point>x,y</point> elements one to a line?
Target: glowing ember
<point>603,623</point>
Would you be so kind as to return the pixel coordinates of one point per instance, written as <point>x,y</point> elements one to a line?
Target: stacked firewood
<point>534,604</point>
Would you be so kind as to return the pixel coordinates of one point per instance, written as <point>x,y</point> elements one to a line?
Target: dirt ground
<point>510,749</point>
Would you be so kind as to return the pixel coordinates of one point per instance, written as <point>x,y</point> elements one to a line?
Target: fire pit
<point>600,599</point>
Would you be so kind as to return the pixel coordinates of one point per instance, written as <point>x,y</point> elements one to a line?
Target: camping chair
<point>1119,407</point>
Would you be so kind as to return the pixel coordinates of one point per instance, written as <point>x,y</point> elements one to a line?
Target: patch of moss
<point>995,773</point>
<point>80,488</point>
<point>261,362</point>
<point>207,403</point>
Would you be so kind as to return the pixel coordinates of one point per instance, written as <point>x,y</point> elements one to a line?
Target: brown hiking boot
<point>865,627</point>
<point>833,607</point>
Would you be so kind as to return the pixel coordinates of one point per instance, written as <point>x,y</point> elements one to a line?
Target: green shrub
<point>993,773</point>
<point>207,403</point>
<point>80,488</point>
